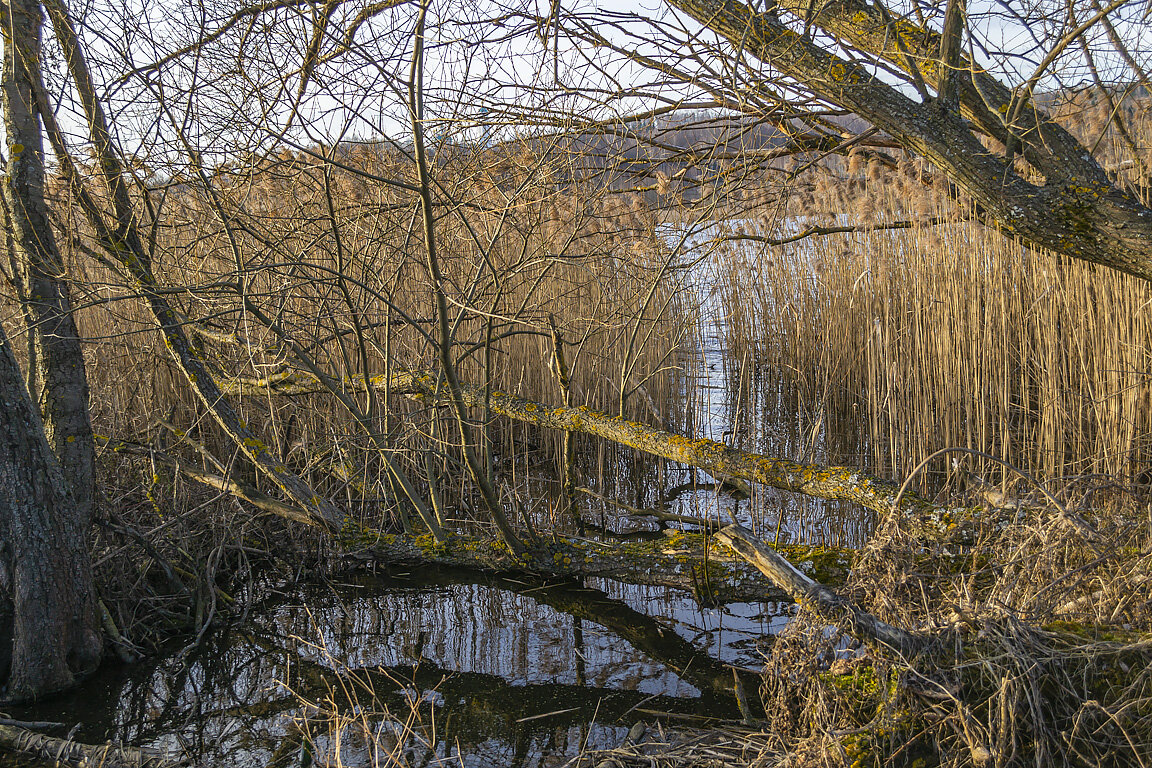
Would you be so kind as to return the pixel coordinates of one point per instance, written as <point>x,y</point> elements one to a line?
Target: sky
<point>491,67</point>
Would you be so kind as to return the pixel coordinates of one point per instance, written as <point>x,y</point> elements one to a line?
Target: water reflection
<point>739,400</point>
<point>483,660</point>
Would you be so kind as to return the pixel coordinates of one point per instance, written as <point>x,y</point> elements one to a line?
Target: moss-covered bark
<point>676,561</point>
<point>1076,211</point>
<point>843,483</point>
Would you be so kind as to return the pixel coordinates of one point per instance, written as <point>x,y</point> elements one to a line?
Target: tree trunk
<point>48,611</point>
<point>56,374</point>
<point>722,461</point>
<point>45,574</point>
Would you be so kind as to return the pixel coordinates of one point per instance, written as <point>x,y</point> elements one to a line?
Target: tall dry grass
<point>328,245</point>
<point>894,343</point>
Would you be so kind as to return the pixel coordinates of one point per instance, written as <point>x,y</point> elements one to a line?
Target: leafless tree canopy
<point>317,250</point>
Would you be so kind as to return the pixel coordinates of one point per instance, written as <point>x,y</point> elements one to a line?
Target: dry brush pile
<point>1034,650</point>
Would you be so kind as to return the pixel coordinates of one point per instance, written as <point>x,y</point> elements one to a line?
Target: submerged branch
<point>675,560</point>
<point>807,591</point>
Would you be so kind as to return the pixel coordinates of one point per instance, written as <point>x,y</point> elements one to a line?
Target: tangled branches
<point>1035,650</point>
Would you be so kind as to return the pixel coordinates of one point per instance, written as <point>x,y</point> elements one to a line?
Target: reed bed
<point>894,343</point>
<point>920,330</point>
<point>331,254</point>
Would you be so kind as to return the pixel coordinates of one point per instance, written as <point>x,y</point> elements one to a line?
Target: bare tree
<point>927,79</point>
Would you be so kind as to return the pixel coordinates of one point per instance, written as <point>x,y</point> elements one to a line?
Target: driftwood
<point>809,592</point>
<point>70,753</point>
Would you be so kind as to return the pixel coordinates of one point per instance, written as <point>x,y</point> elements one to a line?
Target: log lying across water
<point>691,562</point>
<point>843,483</point>
<point>677,561</point>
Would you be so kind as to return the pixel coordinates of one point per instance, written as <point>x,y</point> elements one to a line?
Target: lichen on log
<point>841,483</point>
<point>689,561</point>
<point>677,561</point>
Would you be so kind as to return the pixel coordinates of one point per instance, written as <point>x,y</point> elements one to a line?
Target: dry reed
<point>896,343</point>
<point>326,246</point>
<point>1039,653</point>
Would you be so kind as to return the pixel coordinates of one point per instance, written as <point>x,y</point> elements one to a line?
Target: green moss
<point>431,548</point>
<point>889,735</point>
<point>827,565</point>
<point>1078,632</point>
<point>355,535</point>
<point>860,689</point>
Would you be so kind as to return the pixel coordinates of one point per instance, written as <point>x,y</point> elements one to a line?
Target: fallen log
<point>722,461</point>
<point>71,753</point>
<point>807,591</point>
<point>687,561</point>
<point>677,561</point>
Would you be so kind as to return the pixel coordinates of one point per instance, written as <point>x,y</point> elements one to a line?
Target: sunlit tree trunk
<point>56,374</point>
<point>46,454</point>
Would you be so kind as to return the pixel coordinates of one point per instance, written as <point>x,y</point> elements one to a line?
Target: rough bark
<point>937,59</point>
<point>56,372</point>
<point>47,597</point>
<point>1077,212</point>
<point>64,752</point>
<point>55,636</point>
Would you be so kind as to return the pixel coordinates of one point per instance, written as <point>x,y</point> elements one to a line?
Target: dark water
<point>495,673</point>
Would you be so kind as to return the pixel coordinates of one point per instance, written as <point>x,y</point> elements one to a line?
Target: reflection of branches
<point>225,678</point>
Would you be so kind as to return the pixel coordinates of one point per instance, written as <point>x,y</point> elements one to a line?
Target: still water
<point>434,668</point>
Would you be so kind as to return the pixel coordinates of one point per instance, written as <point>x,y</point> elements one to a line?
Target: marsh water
<point>439,668</point>
<point>488,673</point>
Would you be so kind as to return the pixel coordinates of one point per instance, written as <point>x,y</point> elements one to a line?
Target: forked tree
<point>48,611</point>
